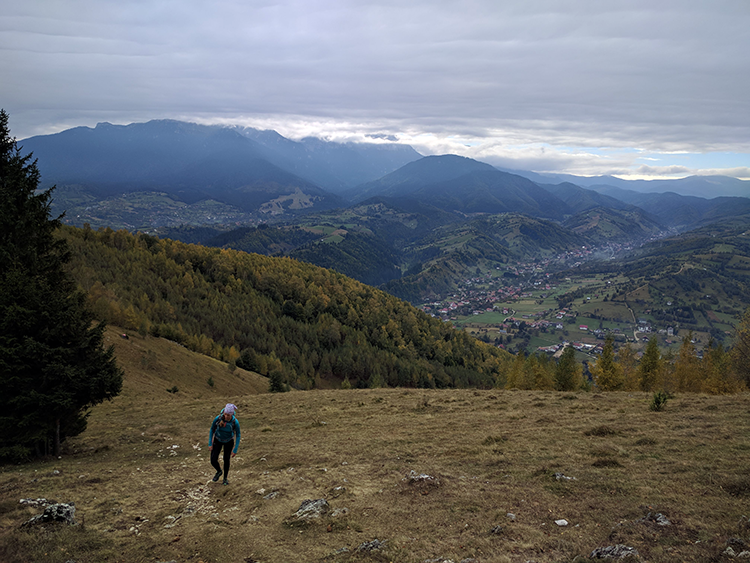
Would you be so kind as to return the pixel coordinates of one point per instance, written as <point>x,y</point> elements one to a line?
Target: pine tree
<point>568,372</point>
<point>606,371</point>
<point>649,370</point>
<point>53,366</point>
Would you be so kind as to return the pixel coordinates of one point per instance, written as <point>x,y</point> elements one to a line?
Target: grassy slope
<point>494,452</point>
<point>153,365</point>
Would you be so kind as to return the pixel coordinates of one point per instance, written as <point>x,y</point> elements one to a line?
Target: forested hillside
<point>300,324</point>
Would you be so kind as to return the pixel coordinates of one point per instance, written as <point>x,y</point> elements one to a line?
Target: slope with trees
<point>306,325</point>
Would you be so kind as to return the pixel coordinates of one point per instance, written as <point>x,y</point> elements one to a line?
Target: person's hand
<point>233,454</point>
<point>210,448</point>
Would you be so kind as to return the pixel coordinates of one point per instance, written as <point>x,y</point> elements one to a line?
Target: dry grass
<point>491,453</point>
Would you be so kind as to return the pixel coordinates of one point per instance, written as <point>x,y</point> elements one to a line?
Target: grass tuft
<point>606,462</point>
<point>601,431</point>
<point>738,487</point>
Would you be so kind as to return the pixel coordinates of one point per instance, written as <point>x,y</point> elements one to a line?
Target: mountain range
<point>379,212</point>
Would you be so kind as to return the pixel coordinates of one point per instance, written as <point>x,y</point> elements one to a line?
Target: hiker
<point>224,428</point>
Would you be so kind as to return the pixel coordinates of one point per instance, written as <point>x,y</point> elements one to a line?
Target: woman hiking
<point>224,429</point>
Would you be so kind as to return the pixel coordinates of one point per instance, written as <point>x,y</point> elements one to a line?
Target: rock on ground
<point>618,551</point>
<point>60,512</point>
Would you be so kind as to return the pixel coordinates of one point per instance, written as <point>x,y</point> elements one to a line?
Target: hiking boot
<point>225,482</point>
<point>218,474</point>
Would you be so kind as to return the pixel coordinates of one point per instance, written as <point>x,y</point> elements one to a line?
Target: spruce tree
<point>606,371</point>
<point>53,365</point>
<point>649,370</point>
<point>568,371</point>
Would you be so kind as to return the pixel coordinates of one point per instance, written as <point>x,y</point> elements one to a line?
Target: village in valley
<point>543,306</point>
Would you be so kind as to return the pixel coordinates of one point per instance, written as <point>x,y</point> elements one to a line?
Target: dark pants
<point>227,455</point>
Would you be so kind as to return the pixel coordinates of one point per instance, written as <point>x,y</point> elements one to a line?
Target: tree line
<point>718,371</point>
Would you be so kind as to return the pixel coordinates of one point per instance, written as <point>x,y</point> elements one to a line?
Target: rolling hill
<point>492,191</point>
<point>605,224</point>
<point>679,211</point>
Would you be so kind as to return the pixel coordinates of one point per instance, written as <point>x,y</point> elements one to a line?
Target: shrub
<point>659,400</point>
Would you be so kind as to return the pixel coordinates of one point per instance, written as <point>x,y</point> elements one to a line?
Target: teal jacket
<point>225,434</point>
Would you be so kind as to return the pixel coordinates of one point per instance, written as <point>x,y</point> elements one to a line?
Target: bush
<point>659,400</point>
<point>276,382</point>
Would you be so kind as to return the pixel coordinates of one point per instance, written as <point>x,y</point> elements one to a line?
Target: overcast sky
<point>654,88</point>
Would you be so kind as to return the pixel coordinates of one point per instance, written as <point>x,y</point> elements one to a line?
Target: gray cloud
<point>664,76</point>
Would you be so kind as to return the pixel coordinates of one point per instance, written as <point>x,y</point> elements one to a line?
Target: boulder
<point>60,512</point>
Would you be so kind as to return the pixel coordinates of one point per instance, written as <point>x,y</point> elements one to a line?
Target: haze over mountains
<point>194,162</point>
<point>379,212</point>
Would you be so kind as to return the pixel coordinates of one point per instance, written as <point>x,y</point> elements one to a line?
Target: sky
<point>637,89</point>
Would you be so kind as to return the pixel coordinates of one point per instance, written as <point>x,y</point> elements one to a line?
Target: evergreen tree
<point>568,372</point>
<point>649,370</point>
<point>53,366</point>
<point>606,371</point>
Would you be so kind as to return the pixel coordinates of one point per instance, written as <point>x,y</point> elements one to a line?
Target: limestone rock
<point>659,519</point>
<point>370,546</point>
<point>309,511</point>
<point>420,478</point>
<point>618,551</point>
<point>60,512</point>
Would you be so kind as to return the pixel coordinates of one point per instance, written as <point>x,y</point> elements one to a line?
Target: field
<point>493,472</point>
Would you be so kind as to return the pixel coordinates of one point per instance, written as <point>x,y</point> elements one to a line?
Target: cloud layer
<point>546,82</point>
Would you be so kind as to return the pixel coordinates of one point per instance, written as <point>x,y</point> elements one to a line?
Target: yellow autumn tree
<point>687,369</point>
<point>626,361</point>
